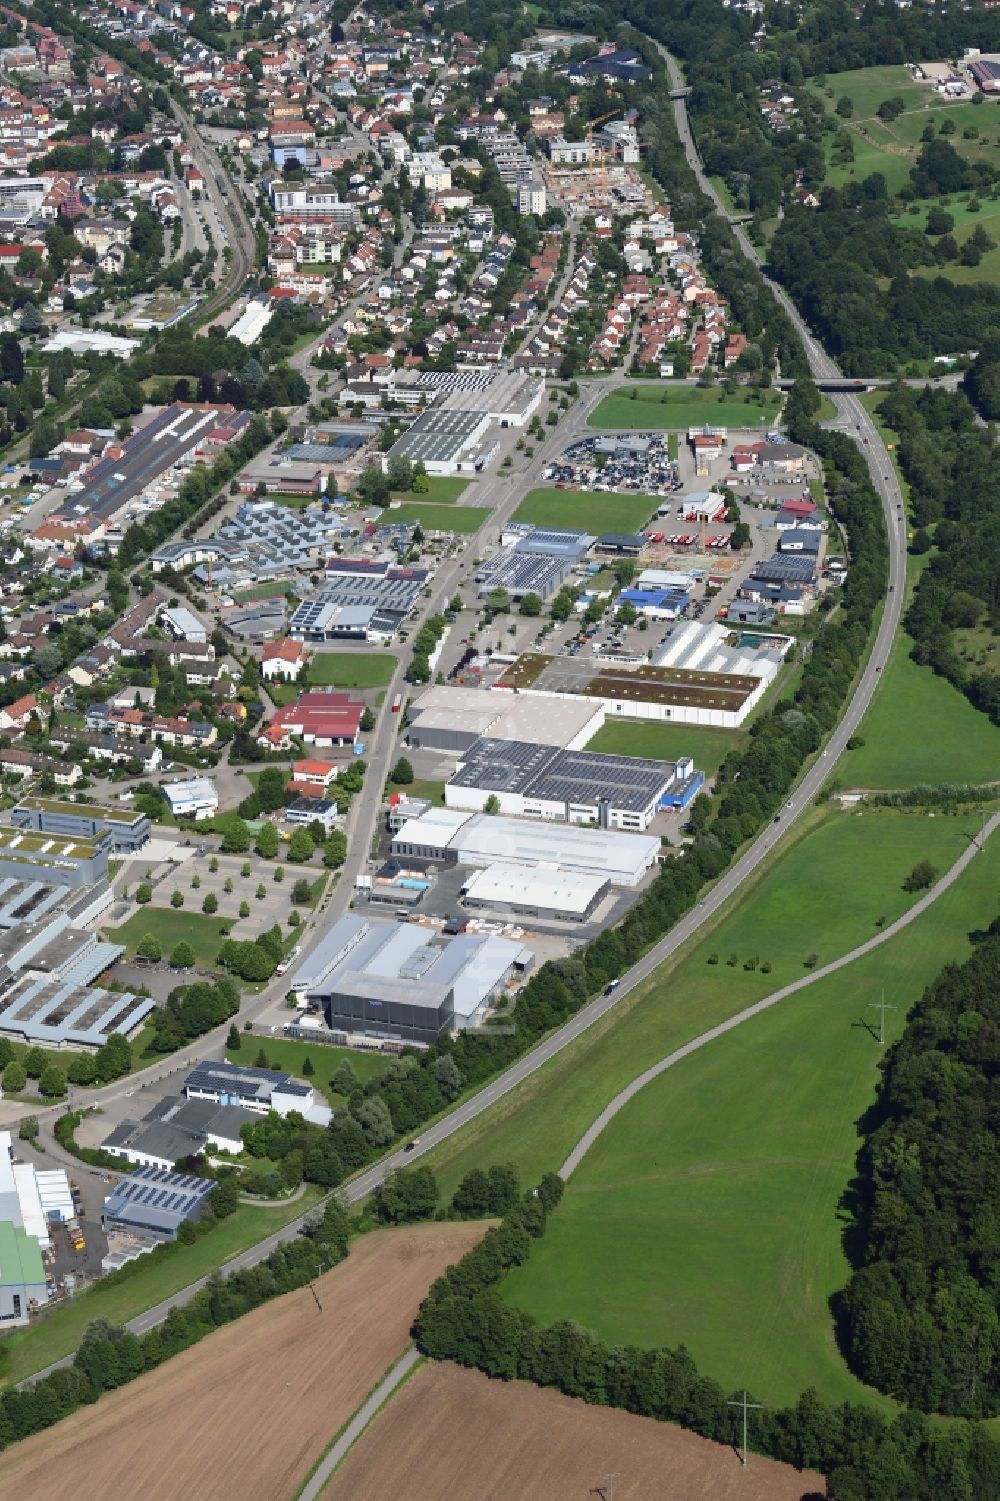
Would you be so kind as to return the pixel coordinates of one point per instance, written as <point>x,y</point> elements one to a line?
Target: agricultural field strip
<point>365,1414</point>
<point>766,1002</point>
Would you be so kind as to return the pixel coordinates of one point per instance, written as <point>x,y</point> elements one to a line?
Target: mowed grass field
<point>442,490</point>
<point>661,406</point>
<point>920,729</point>
<point>288,1056</point>
<point>438,518</point>
<point>351,669</point>
<point>822,894</point>
<point>594,511</point>
<point>708,1212</point>
<point>170,926</point>
<point>868,87</point>
<point>891,147</point>
<point>988,267</point>
<point>667,742</point>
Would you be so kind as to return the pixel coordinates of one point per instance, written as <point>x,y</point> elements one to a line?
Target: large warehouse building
<point>444,441</point>
<point>405,983</point>
<point>538,781</point>
<point>664,694</point>
<point>480,839</point>
<point>515,892</point>
<point>51,965</point>
<point>52,859</point>
<point>451,719</point>
<point>698,646</point>
<point>156,1202</point>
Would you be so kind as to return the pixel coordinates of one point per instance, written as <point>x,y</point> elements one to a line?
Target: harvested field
<point>249,1410</point>
<point>451,1432</point>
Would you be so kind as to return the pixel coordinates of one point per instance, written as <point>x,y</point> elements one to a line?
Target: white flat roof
<point>560,891</point>
<point>193,789</point>
<point>483,839</point>
<point>435,828</point>
<point>32,1214</point>
<point>54,1190</point>
<point>506,716</point>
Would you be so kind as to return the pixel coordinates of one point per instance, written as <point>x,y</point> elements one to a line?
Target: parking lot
<point>638,462</point>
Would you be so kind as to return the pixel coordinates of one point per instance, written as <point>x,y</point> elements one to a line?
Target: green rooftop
<point>77,810</point>
<point>20,1258</point>
<point>50,847</point>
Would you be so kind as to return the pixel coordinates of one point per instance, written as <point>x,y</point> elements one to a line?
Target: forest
<point>834,260</point>
<point>953,471</point>
<point>919,1317</point>
<point>865,1456</point>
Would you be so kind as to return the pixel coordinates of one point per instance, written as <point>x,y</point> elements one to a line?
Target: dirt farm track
<point>248,1411</point>
<point>456,1434</point>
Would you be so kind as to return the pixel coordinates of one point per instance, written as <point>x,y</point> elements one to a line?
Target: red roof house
<point>323,717</point>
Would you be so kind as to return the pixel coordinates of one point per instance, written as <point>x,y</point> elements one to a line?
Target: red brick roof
<point>285,651</point>
<point>325,715</point>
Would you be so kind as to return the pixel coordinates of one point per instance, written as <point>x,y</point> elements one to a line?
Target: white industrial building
<point>663,578</point>
<point>451,719</point>
<point>252,322</point>
<point>183,624</point>
<point>576,787</point>
<point>29,1203</point>
<point>444,441</point>
<point>194,797</point>
<point>708,647</point>
<point>456,837</point>
<point>175,1128</point>
<point>259,1090</point>
<point>513,891</point>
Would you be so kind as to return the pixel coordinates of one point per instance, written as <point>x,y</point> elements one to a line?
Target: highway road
<point>509,493</point>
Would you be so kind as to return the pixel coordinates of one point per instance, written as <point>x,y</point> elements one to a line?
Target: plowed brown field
<point>454,1433</point>
<point>248,1411</point>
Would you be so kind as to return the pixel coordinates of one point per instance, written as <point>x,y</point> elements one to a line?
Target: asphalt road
<point>766,1002</point>
<point>368,803</point>
<point>393,1378</point>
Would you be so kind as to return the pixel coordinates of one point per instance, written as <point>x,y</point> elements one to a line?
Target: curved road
<point>884,480</point>
<point>631,1090</point>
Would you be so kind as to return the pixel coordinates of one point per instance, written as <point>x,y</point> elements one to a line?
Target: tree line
<point>753,782</point>
<point>920,1317</point>
<point>953,470</point>
<point>864,1455</point>
<point>110,1356</point>
<point>835,259</point>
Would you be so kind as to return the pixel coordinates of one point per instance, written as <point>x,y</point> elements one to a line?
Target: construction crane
<point>600,121</point>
